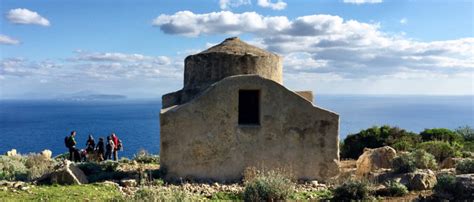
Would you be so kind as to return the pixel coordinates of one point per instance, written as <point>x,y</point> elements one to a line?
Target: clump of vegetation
<point>424,160</point>
<point>124,160</point>
<point>12,168</point>
<point>352,190</point>
<point>394,188</point>
<point>267,185</point>
<point>37,165</point>
<point>144,157</point>
<point>446,185</point>
<point>404,163</point>
<point>465,166</point>
<point>374,137</point>
<point>441,150</point>
<point>409,162</point>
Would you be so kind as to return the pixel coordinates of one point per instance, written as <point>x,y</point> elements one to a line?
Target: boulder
<point>46,154</point>
<point>419,180</point>
<point>11,153</point>
<point>465,186</point>
<point>373,159</point>
<point>65,174</point>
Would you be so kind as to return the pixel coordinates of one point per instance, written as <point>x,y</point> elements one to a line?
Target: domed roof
<point>235,46</point>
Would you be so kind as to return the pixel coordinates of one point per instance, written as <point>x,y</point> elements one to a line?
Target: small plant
<point>267,186</point>
<point>144,157</point>
<point>395,188</point>
<point>404,163</point>
<point>352,190</point>
<point>465,166</point>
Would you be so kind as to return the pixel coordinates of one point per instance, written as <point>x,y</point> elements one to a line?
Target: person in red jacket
<point>116,142</point>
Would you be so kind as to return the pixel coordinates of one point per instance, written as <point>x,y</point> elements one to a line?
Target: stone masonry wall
<point>202,140</point>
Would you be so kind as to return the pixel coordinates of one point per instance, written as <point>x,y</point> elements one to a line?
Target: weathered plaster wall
<point>201,139</point>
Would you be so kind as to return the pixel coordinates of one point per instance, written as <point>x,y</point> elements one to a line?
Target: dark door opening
<point>249,107</point>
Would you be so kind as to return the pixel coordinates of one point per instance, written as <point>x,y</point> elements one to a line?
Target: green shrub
<point>144,157</point>
<point>409,162</point>
<point>466,132</point>
<point>404,163</point>
<point>374,137</point>
<point>393,188</point>
<point>268,186</point>
<point>37,165</point>
<point>440,134</point>
<point>352,190</point>
<point>446,185</point>
<point>424,160</point>
<point>12,168</point>
<point>441,150</point>
<point>465,166</point>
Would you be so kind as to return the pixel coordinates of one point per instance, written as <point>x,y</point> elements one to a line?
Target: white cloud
<point>120,57</point>
<point>324,44</point>
<point>363,1</point>
<point>25,16</point>
<point>4,39</point>
<point>279,5</point>
<point>228,4</point>
<point>403,21</point>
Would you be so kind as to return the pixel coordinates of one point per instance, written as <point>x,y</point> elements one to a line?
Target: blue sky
<point>136,48</point>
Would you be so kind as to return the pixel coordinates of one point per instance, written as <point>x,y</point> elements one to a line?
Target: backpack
<point>119,146</point>
<point>67,142</point>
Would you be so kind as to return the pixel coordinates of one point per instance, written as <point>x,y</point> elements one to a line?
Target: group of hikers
<point>96,152</point>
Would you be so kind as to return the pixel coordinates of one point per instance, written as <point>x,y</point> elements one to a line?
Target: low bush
<point>465,166</point>
<point>37,165</point>
<point>352,190</point>
<point>404,163</point>
<point>144,157</point>
<point>267,186</point>
<point>446,185</point>
<point>409,162</point>
<point>424,160</point>
<point>395,188</point>
<point>12,168</point>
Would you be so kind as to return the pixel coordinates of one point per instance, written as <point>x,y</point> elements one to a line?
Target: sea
<point>34,125</point>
